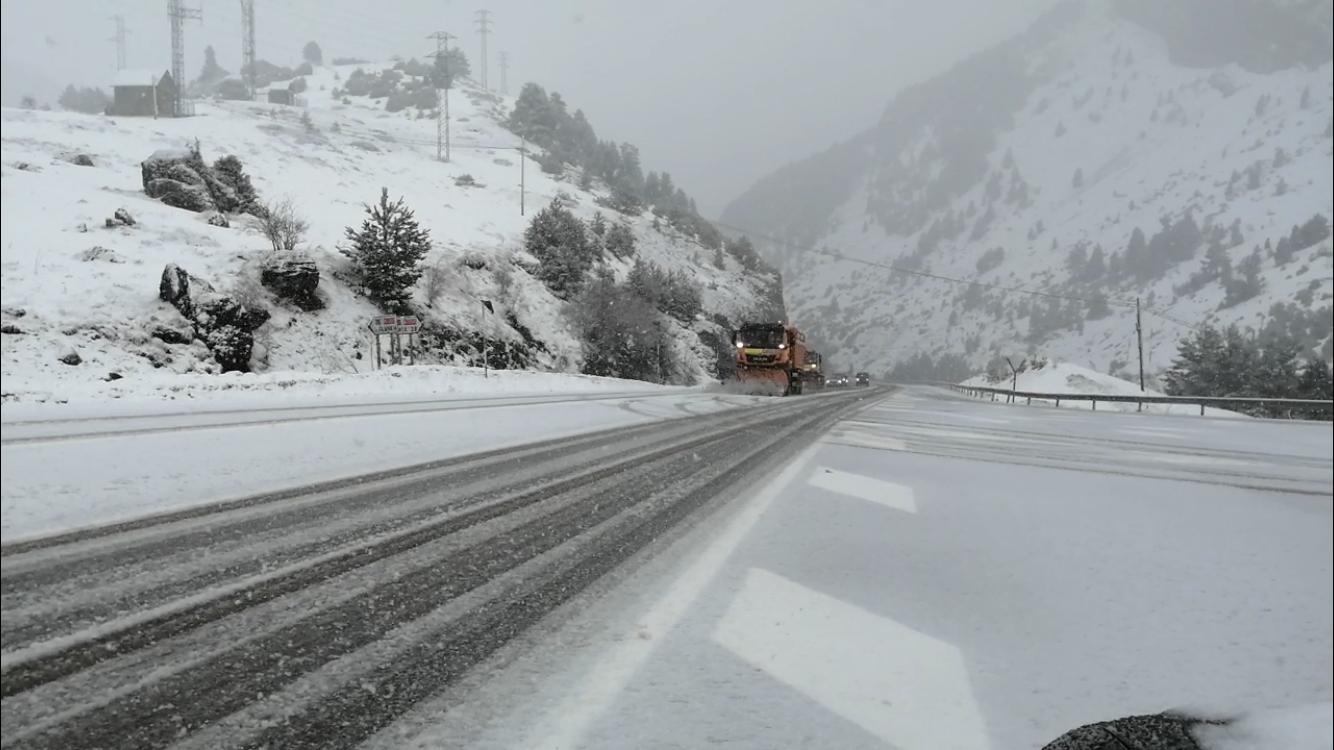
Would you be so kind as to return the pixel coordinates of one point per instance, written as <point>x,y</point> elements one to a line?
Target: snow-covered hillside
<point>1032,165</point>
<point>81,293</point>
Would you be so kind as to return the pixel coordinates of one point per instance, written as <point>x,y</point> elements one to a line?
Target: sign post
<point>486,339</point>
<point>410,325</point>
<point>381,325</point>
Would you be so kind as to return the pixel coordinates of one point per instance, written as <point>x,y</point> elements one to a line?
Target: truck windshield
<point>761,338</point>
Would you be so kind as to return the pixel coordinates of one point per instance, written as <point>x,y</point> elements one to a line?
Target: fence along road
<point>1322,408</point>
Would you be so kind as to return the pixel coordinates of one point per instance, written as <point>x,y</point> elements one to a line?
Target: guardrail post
<point>1095,404</point>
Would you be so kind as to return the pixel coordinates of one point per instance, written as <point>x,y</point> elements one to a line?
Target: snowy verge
<point>1308,727</point>
<point>171,393</point>
<point>1063,378</point>
<point>55,485</point>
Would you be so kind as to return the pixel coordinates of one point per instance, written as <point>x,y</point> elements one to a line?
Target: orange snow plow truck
<point>769,358</point>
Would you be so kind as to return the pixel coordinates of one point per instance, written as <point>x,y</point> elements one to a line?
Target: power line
<point>504,73</point>
<point>119,39</point>
<point>179,14</point>
<point>248,44</point>
<point>483,31</point>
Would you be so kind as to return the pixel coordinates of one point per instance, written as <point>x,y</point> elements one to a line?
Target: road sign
<point>382,324</point>
<point>387,324</point>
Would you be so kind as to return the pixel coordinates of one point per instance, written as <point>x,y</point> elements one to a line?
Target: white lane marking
<point>864,439</point>
<point>904,687</point>
<point>888,494</point>
<point>571,718</point>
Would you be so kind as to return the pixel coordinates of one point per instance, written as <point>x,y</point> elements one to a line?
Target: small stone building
<point>142,93</point>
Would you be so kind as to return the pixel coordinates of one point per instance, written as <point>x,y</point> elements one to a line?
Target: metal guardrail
<point>1221,402</point>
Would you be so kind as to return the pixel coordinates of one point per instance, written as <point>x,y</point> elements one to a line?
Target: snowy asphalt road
<point>313,621</point>
<point>944,573</point>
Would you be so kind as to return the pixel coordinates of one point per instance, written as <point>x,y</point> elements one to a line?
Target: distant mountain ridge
<point>1058,162</point>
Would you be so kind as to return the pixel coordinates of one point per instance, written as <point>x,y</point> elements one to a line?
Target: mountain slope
<point>1110,152</point>
<point>74,284</point>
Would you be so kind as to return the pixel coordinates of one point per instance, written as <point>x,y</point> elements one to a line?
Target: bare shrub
<point>280,224</point>
<point>434,279</point>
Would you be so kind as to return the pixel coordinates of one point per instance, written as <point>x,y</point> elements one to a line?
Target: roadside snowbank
<point>172,393</point>
<point>1309,727</point>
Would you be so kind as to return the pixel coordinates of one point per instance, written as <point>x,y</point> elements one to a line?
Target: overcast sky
<point>717,92</point>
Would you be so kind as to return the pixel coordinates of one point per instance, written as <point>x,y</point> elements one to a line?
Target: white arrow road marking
<point>888,494</point>
<point>569,720</point>
<point>904,687</point>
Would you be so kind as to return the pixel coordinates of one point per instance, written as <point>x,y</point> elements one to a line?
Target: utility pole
<point>484,30</point>
<point>1139,340</point>
<point>119,39</point>
<point>504,73</point>
<point>248,45</point>
<point>444,83</point>
<point>179,14</point>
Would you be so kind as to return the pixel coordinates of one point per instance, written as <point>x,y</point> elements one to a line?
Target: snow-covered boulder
<point>293,277</point>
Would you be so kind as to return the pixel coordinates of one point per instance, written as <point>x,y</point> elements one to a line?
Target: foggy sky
<point>717,92</point>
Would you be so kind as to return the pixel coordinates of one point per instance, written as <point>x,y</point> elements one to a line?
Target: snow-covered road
<point>338,610</point>
<point>947,574</point>
<point>99,468</point>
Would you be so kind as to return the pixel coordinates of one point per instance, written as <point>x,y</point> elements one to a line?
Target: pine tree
<point>387,252</point>
<point>1197,369</point>
<point>230,172</point>
<point>212,72</point>
<point>312,53</point>
<point>559,241</point>
<point>620,240</point>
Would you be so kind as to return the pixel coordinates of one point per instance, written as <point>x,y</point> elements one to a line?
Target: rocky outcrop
<point>175,177</point>
<point>225,325</point>
<point>293,277</point>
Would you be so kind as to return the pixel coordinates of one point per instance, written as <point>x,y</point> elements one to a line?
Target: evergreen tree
<point>212,72</point>
<point>312,53</point>
<point>1097,264</point>
<point>532,116</point>
<point>620,332</point>
<point>1216,265</point>
<point>1196,371</point>
<point>90,101</point>
<point>559,241</point>
<point>1317,381</point>
<point>387,252</point>
<point>230,172</point>
<point>620,240</point>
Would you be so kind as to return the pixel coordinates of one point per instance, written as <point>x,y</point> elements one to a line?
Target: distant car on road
<point>863,378</point>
